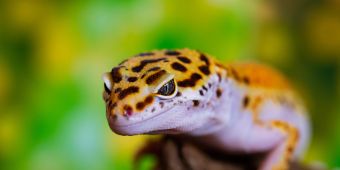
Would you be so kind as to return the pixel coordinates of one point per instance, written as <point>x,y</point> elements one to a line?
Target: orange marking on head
<point>258,76</point>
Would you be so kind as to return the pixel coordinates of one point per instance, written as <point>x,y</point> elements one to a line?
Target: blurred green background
<point>52,55</point>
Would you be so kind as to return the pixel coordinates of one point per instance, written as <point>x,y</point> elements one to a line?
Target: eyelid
<point>163,82</point>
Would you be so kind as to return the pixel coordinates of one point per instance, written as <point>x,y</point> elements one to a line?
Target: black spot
<point>116,76</point>
<point>184,59</point>
<point>219,77</point>
<point>246,80</point>
<point>171,52</point>
<point>191,82</point>
<point>118,90</point>
<point>153,69</point>
<point>132,79</point>
<point>179,67</point>
<point>145,54</point>
<point>113,117</point>
<point>179,94</point>
<point>140,105</point>
<point>221,66</point>
<point>290,149</point>
<point>148,100</point>
<point>161,104</point>
<point>209,85</point>
<point>128,91</point>
<point>204,69</point>
<point>201,93</point>
<point>155,76</point>
<point>144,63</point>
<point>205,88</point>
<point>196,103</point>
<point>218,93</point>
<point>204,59</point>
<point>150,70</point>
<point>245,101</point>
<point>153,110</point>
<point>235,74</point>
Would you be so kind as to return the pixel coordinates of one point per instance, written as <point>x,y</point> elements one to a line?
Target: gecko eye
<point>167,90</point>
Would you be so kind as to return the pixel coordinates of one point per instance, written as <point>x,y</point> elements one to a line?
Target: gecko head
<point>160,92</point>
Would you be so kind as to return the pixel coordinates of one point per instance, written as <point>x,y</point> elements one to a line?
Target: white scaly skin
<point>219,120</point>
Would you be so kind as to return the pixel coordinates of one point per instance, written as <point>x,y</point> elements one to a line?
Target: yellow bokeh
<point>11,134</point>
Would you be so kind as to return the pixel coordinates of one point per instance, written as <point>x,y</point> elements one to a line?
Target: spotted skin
<point>238,107</point>
<point>145,68</point>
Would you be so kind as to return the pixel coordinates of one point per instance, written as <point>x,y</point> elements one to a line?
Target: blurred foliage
<point>52,55</point>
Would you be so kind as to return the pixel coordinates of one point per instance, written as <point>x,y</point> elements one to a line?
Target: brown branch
<point>180,154</point>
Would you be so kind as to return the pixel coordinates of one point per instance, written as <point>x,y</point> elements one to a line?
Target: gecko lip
<point>114,125</point>
<point>143,126</point>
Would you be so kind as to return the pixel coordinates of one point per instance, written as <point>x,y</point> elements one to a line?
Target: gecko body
<point>243,108</point>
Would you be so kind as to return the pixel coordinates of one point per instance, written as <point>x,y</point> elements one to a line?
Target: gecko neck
<point>220,105</point>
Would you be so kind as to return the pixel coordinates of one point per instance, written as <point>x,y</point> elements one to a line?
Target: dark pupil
<point>107,89</point>
<point>167,89</point>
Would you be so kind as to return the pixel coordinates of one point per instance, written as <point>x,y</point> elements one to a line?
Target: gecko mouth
<point>141,121</point>
<point>152,125</point>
